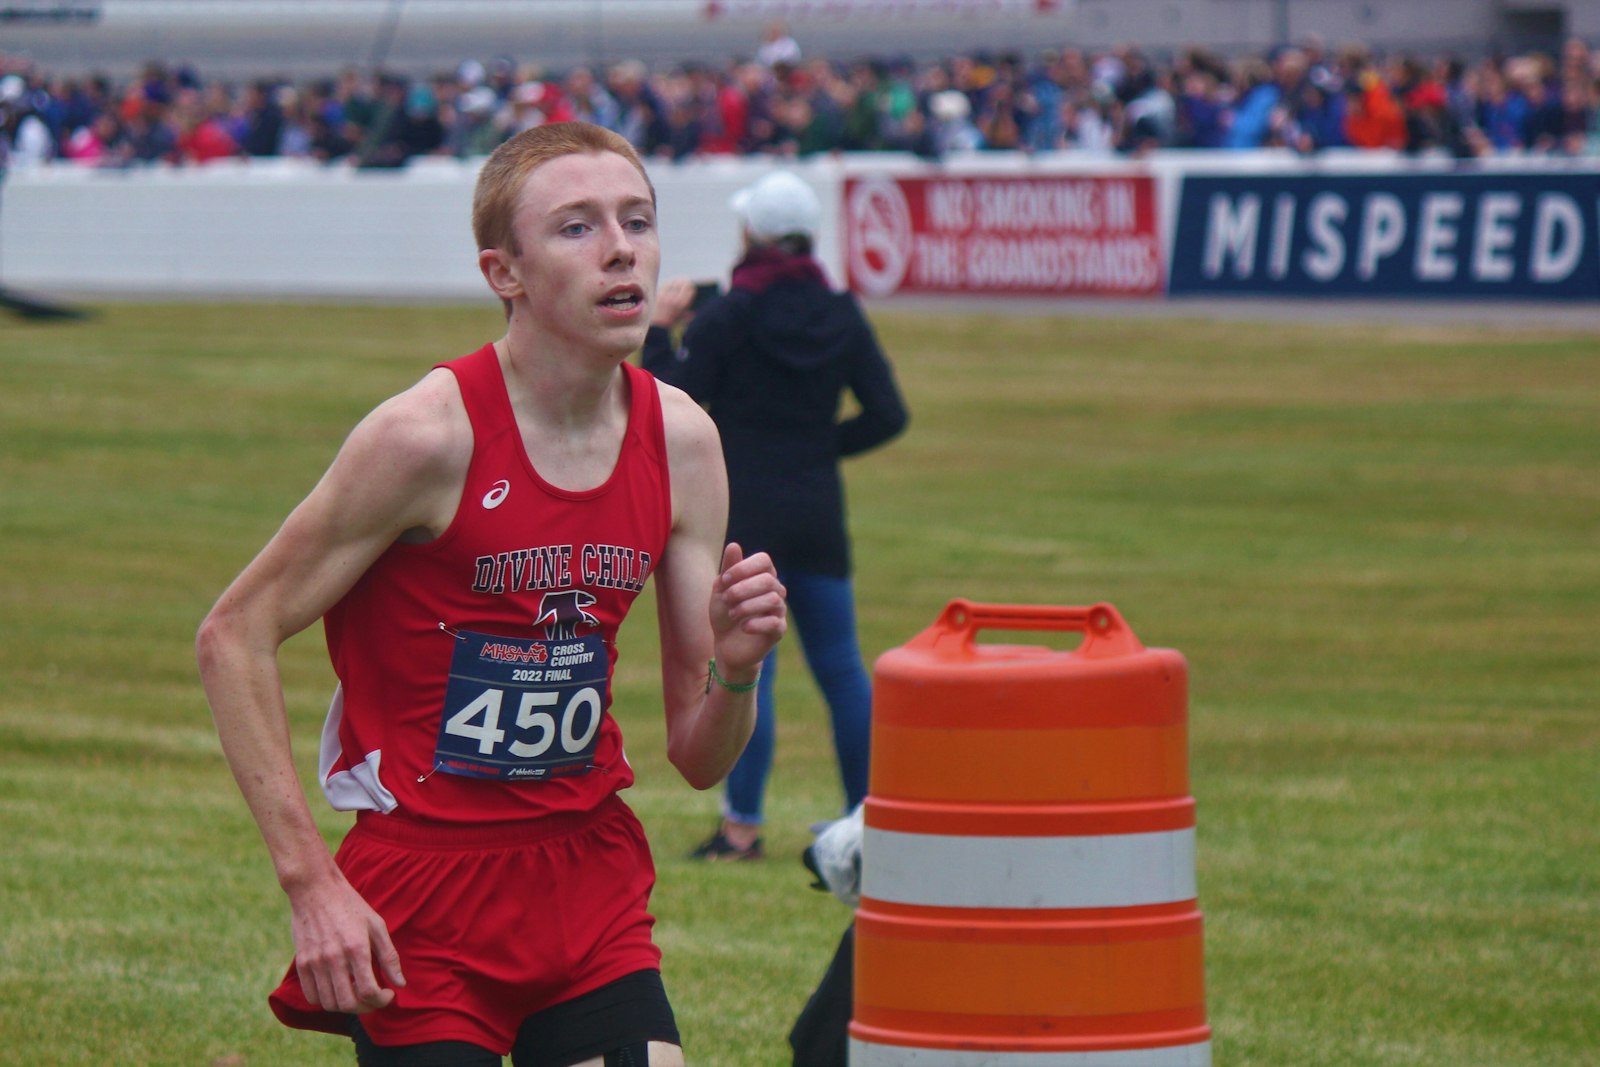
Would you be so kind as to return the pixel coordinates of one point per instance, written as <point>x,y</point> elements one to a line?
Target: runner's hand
<point>341,947</point>
<point>748,611</point>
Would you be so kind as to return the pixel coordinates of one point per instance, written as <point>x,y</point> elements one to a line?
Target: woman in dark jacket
<point>771,360</point>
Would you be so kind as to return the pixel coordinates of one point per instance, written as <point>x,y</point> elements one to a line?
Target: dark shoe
<point>718,847</point>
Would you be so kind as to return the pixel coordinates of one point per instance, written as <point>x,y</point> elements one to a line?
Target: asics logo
<point>496,496</point>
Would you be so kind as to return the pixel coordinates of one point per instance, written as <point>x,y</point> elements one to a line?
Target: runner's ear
<point>500,271</point>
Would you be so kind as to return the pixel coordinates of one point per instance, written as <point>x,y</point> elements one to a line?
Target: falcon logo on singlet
<point>496,496</point>
<point>562,613</point>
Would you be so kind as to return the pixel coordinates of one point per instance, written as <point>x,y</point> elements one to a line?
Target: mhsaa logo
<point>503,652</point>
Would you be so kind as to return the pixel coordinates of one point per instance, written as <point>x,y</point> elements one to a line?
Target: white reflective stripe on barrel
<point>1104,871</point>
<point>863,1054</point>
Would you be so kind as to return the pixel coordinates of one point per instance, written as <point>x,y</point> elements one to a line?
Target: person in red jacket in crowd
<point>1373,118</point>
<point>202,136</point>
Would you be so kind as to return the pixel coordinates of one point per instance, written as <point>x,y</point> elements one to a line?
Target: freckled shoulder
<point>694,458</point>
<point>691,435</point>
<point>405,464</point>
<point>426,427</point>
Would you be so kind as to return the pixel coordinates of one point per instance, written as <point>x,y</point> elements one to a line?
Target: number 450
<point>529,717</point>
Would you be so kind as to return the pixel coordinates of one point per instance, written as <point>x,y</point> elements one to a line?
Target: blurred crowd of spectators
<point>1304,98</point>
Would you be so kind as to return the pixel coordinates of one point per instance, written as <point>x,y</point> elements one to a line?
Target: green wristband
<point>713,676</point>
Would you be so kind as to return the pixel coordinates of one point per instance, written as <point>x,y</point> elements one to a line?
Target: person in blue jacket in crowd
<point>772,359</point>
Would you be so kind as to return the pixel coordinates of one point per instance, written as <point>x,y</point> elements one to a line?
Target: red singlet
<point>475,669</point>
<point>474,681</point>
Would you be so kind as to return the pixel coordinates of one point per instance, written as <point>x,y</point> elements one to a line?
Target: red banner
<point>1029,236</point>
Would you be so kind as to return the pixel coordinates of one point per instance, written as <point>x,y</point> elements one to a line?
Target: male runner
<point>472,550</point>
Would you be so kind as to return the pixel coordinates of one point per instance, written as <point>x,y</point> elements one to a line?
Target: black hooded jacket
<point>772,368</point>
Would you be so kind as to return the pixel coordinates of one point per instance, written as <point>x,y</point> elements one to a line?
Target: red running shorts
<point>493,923</point>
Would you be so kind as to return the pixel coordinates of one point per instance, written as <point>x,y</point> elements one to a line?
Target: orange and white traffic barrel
<point>1028,888</point>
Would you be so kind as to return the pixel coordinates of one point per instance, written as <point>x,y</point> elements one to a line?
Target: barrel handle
<point>1105,634</point>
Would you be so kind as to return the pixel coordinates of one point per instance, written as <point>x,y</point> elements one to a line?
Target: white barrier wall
<point>286,228</point>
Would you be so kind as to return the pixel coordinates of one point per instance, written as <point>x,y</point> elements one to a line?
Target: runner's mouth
<point>625,300</point>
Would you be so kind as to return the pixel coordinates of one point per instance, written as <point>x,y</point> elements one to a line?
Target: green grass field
<point>1378,548</point>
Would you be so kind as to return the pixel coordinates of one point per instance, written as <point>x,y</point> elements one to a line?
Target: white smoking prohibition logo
<point>880,232</point>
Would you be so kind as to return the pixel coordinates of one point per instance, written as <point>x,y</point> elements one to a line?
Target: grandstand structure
<point>297,38</point>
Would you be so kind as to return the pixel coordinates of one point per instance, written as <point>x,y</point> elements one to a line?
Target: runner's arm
<point>384,482</point>
<point>745,616</point>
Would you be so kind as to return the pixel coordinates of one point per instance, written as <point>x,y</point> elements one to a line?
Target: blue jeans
<point>823,611</point>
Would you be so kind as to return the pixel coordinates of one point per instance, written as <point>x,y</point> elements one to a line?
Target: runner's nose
<point>620,249</point>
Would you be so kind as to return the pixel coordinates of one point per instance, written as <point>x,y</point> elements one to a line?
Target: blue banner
<point>1452,235</point>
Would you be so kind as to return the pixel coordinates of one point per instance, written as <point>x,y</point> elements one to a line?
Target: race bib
<point>522,708</point>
